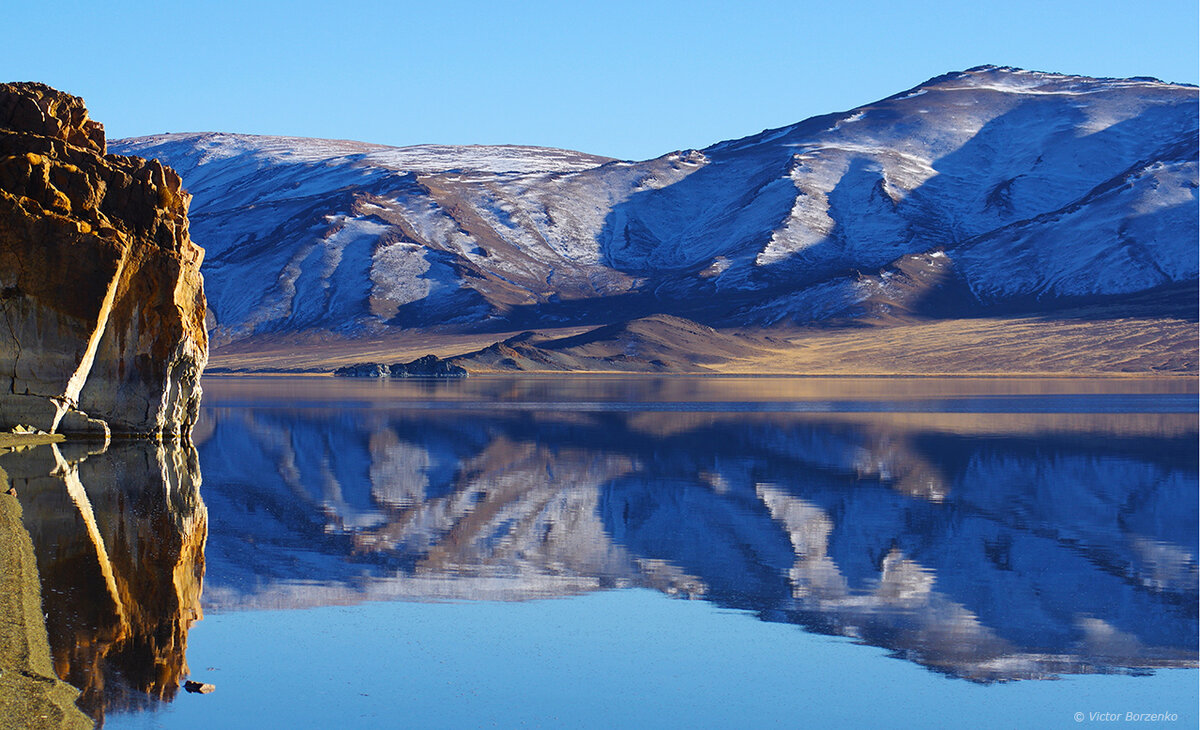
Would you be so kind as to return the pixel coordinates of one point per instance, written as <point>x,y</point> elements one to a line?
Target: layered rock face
<point>101,299</point>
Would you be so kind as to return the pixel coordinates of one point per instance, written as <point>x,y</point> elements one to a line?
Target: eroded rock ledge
<point>101,299</point>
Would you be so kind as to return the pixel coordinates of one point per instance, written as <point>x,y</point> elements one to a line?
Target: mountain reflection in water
<point>1023,542</point>
<point>989,547</point>
<point>117,535</point>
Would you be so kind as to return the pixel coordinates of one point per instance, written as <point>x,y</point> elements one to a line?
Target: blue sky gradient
<point>619,78</point>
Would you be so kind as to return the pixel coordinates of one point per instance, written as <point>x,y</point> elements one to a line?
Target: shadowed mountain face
<point>990,547</point>
<point>118,537</point>
<point>988,189</point>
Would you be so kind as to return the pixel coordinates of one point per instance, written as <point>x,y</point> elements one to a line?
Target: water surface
<point>515,550</point>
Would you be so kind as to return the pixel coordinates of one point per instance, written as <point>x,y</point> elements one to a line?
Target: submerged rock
<point>100,288</point>
<point>429,366</point>
<point>199,687</point>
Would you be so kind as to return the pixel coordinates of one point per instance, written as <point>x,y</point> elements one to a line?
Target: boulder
<point>101,299</point>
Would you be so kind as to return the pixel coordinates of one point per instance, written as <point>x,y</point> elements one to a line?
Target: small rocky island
<point>100,288</point>
<point>429,366</point>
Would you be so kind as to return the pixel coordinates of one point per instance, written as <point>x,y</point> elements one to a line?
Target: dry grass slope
<point>998,345</point>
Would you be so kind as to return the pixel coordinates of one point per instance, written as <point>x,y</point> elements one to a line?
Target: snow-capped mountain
<point>1002,185</point>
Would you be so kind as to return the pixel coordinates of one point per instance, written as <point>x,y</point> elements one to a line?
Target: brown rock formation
<point>101,300</point>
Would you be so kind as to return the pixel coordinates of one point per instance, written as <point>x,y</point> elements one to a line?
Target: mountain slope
<point>985,189</point>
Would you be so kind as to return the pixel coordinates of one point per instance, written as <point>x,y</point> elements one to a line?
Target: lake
<point>600,551</point>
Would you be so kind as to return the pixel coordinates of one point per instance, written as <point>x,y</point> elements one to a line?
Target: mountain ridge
<point>1006,185</point>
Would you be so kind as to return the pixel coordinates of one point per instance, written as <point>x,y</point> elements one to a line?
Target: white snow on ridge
<point>417,158</point>
<point>1024,81</point>
<point>855,117</point>
<point>483,158</point>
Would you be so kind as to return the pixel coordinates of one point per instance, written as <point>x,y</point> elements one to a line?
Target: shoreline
<point>18,440</point>
<point>230,373</point>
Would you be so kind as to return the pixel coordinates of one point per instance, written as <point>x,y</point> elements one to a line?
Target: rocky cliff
<point>101,299</point>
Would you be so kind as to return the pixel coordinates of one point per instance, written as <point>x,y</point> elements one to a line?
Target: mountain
<point>984,192</point>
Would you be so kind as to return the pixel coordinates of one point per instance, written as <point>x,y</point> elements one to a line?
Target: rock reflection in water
<point>989,548</point>
<point>118,533</point>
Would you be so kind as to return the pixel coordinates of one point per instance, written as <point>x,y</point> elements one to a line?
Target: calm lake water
<point>633,552</point>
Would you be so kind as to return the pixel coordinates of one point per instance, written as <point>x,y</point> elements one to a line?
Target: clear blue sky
<point>627,79</point>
